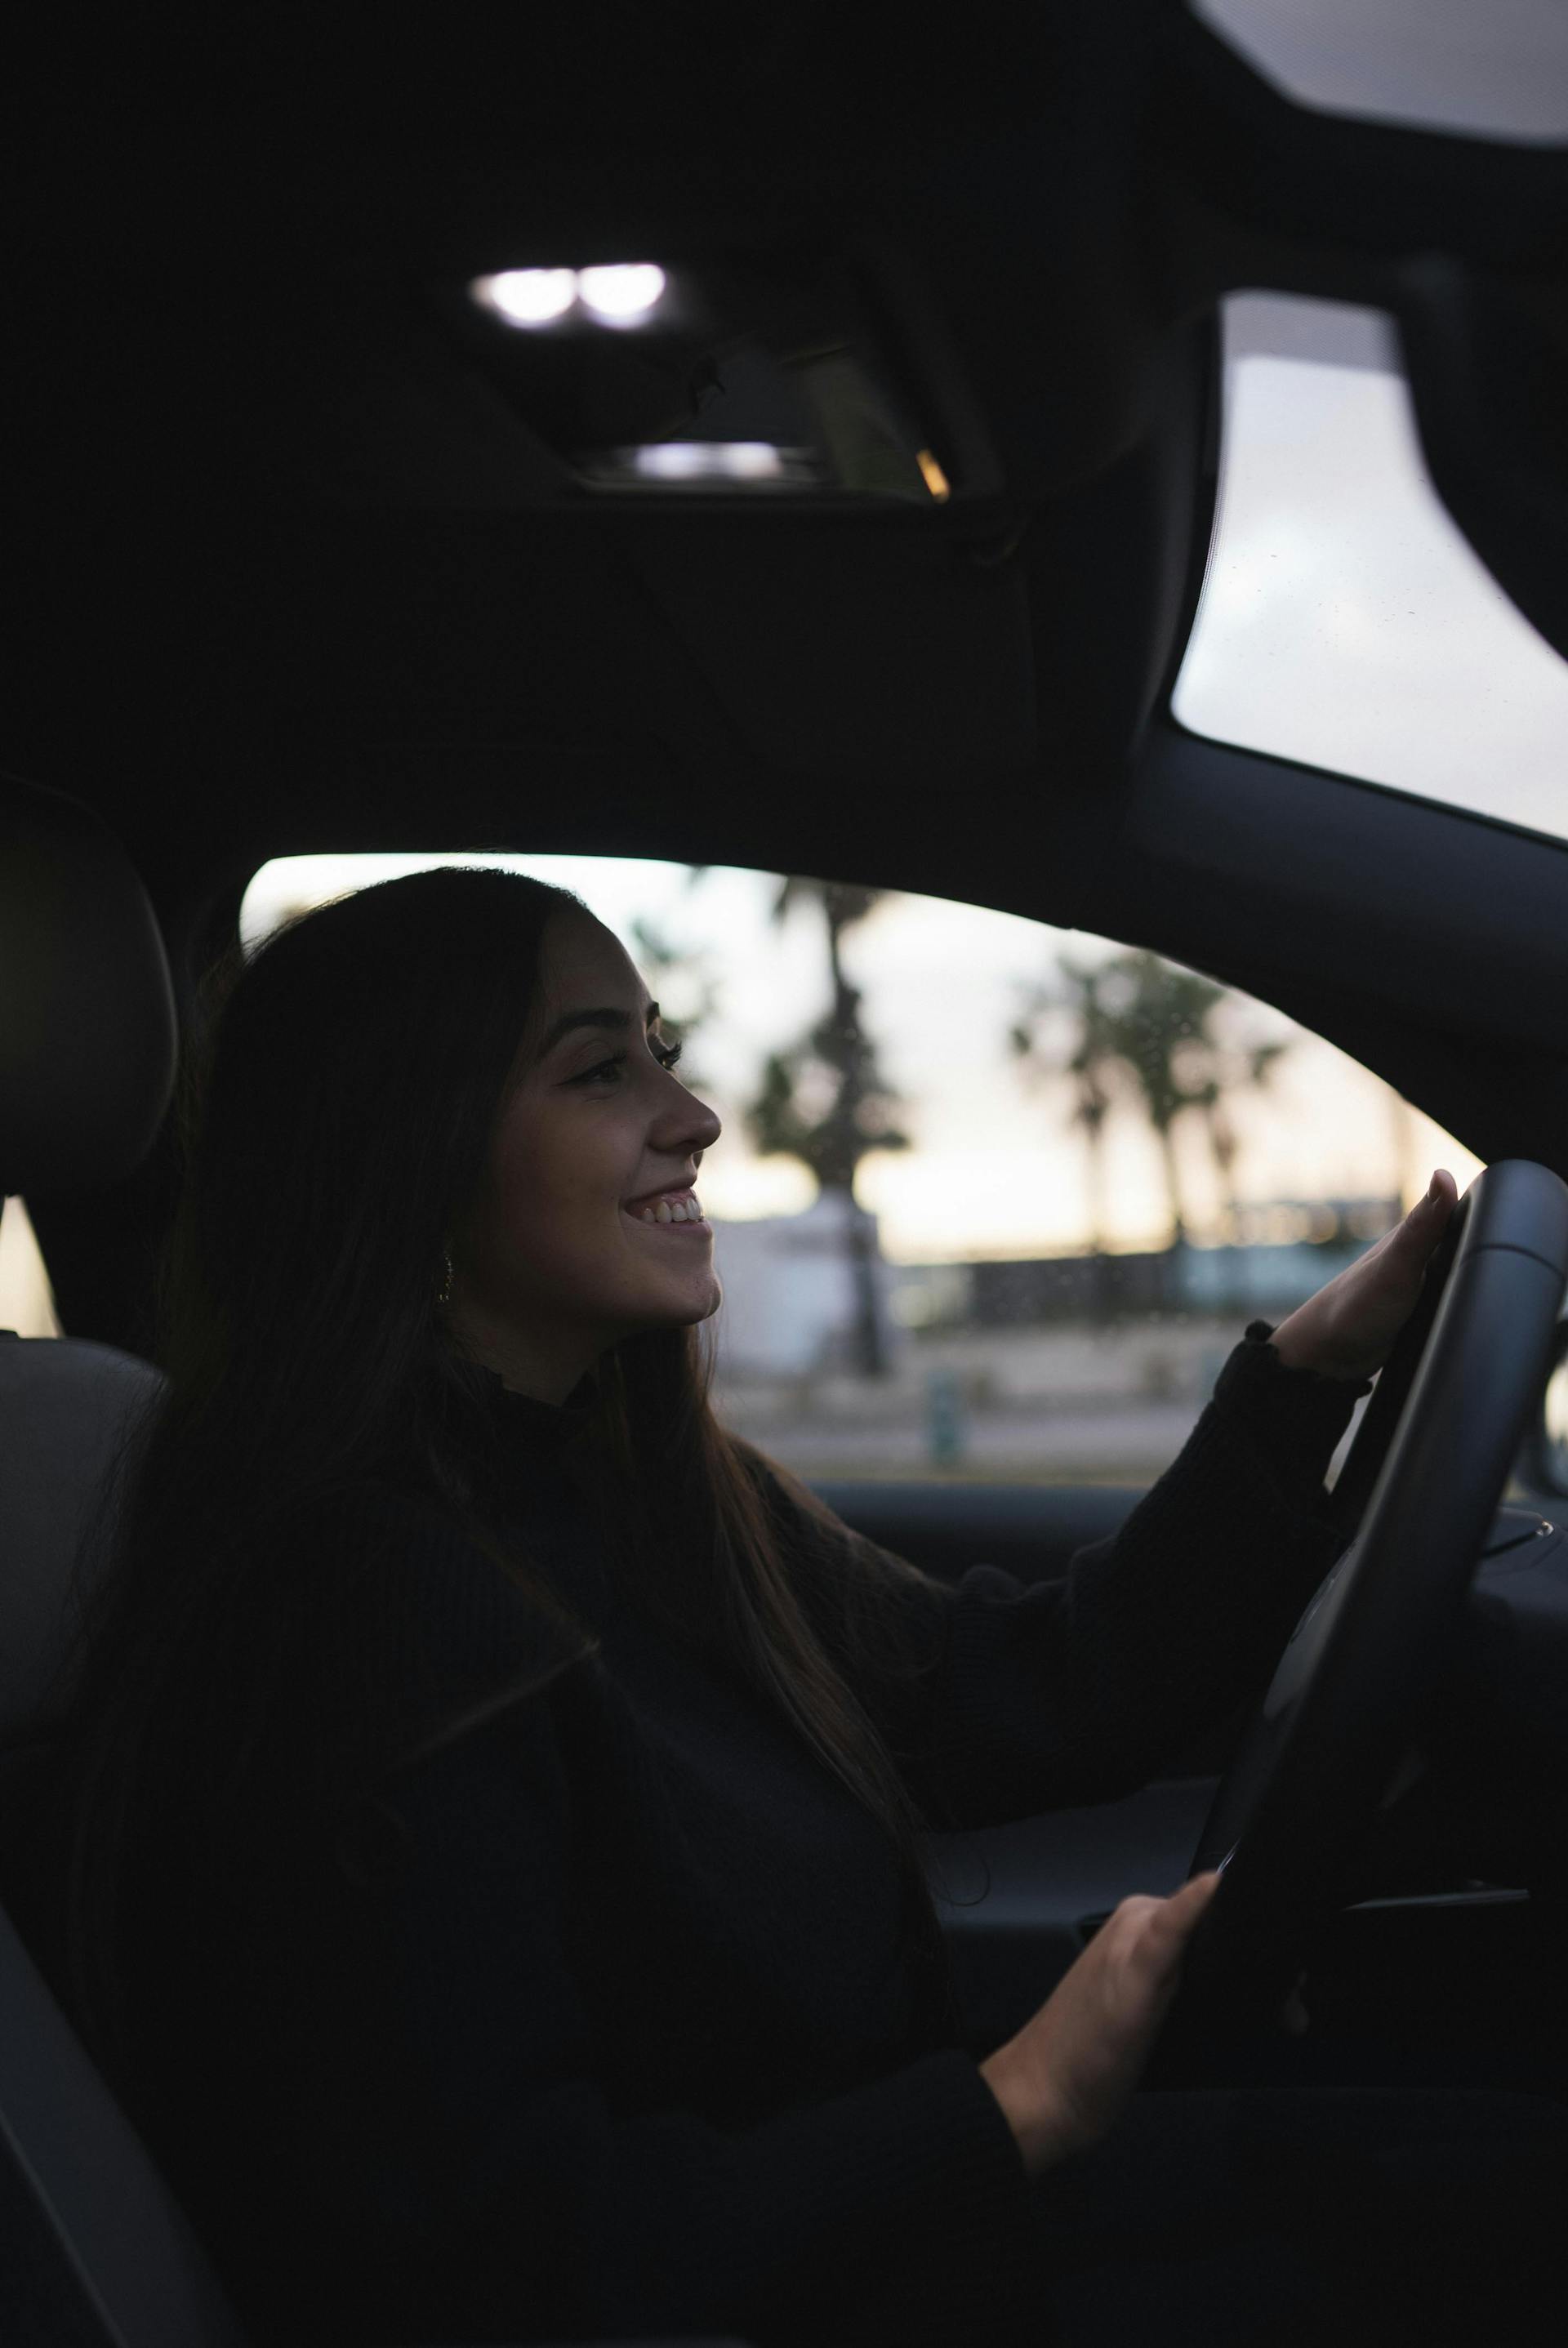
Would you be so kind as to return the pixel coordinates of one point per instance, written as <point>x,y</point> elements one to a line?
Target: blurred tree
<point>1091,1066</point>
<point>823,1101</point>
<point>1093,1061</point>
<point>1245,1067</point>
<point>680,980</point>
<point>1139,1014</point>
<point>1159,1020</point>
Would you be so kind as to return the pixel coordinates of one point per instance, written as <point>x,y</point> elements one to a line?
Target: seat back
<point>65,1405</point>
<point>95,2252</point>
<point>94,2247</point>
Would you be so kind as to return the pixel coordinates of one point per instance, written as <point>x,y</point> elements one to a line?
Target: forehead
<point>584,964</point>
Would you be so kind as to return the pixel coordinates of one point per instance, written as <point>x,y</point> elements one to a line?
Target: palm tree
<point>1152,1019</point>
<point>1092,1065</point>
<point>1160,1021</point>
<point>690,1001</point>
<point>1255,1062</point>
<point>823,1101</point>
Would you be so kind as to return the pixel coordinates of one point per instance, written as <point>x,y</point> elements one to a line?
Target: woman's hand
<point>1347,1330</point>
<point>1064,2080</point>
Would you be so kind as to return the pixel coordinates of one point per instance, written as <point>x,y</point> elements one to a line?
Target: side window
<point>993,1200</point>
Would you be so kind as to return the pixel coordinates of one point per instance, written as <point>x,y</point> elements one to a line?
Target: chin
<point>704,1302</point>
<point>699,1302</point>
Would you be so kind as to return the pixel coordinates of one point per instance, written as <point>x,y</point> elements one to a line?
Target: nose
<point>686,1125</point>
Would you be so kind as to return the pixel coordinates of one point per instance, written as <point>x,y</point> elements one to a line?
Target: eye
<point>603,1073</point>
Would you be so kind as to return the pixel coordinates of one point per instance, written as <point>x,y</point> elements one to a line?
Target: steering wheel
<point>1361,1671</point>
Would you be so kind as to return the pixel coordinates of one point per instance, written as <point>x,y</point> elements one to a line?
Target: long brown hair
<point>336,1103</point>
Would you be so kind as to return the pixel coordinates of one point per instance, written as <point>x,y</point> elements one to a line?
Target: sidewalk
<point>1054,1406</point>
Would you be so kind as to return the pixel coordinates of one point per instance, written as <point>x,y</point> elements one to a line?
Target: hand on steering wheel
<point>1416,1494</point>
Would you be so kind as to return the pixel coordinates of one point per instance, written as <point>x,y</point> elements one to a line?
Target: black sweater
<point>622,2017</point>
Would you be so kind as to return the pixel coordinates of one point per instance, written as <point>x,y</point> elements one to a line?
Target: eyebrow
<point>607,1016</point>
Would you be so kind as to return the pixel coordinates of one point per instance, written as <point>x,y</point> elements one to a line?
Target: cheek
<point>567,1182</point>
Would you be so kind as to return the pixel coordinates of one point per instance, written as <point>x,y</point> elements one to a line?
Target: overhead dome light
<point>685,461</point>
<point>621,290</point>
<point>776,373</point>
<point>702,464</point>
<point>527,297</point>
<point>617,294</point>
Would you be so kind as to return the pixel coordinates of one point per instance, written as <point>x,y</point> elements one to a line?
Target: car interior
<point>872,552</point>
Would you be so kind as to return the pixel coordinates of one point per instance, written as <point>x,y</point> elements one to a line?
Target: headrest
<point>87,1023</point>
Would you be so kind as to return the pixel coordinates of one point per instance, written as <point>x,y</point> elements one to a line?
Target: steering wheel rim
<point>1416,1496</point>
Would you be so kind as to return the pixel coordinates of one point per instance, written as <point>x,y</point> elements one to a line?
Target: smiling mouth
<point>674,1211</point>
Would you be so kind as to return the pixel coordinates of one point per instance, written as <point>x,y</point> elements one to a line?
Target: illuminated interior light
<point>625,289</point>
<point>685,461</point>
<point>527,297</point>
<point>936,480</point>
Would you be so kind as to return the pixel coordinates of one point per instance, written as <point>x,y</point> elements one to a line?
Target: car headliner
<point>287,572</point>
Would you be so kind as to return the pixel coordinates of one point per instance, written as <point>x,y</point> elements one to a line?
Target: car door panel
<point>1012,1899</point>
<point>1030,1530</point>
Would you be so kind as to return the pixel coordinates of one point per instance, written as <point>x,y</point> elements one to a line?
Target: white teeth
<point>649,1216</point>
<point>662,1213</point>
<point>674,1211</point>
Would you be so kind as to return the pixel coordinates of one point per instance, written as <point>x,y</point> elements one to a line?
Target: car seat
<point>96,2250</point>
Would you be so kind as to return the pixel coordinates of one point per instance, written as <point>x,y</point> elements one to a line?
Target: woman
<point>495,1817</point>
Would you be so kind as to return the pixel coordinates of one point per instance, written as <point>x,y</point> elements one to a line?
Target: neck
<point>537,1384</point>
<point>544,1363</point>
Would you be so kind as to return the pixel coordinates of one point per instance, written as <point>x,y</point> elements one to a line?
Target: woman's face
<point>567,1249</point>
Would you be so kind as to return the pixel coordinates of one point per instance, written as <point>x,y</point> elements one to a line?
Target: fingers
<point>1179,1906</point>
<point>1183,1908</point>
<point>1198,1889</point>
<point>1187,1908</point>
<point>1170,1922</point>
<point>1428,1218</point>
<point>1162,1926</point>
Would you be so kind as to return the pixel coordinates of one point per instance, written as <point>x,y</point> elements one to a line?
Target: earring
<point>446,1287</point>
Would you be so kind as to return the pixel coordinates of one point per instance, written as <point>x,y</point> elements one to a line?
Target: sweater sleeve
<point>455,2153</point>
<point>1012,1698</point>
